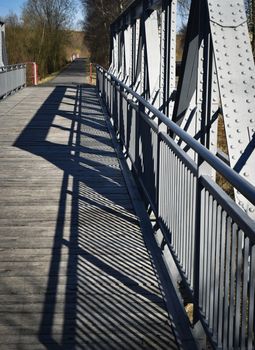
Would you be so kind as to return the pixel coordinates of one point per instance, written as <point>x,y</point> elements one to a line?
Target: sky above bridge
<point>15,6</point>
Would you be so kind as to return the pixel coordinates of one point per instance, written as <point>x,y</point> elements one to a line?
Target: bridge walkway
<point>75,272</point>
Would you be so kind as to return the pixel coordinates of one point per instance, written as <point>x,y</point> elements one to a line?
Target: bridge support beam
<point>217,74</point>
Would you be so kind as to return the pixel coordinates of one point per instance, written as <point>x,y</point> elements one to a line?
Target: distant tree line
<point>250,9</point>
<point>99,15</point>
<point>184,6</point>
<point>40,34</point>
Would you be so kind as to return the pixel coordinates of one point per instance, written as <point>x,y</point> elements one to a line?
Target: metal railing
<point>12,78</point>
<point>211,239</point>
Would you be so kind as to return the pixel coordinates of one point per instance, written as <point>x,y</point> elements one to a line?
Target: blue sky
<point>7,6</point>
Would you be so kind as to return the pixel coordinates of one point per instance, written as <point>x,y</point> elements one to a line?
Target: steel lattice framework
<point>217,73</point>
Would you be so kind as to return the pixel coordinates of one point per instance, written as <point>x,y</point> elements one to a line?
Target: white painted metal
<point>168,56</point>
<point>218,73</point>
<point>153,55</point>
<point>3,53</point>
<point>236,78</point>
<point>128,53</point>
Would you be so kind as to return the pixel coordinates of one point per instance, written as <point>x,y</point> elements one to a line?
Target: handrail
<point>12,66</point>
<point>242,185</point>
<point>203,228</point>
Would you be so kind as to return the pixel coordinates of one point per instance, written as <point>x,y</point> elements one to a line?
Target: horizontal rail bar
<point>12,78</point>
<point>242,185</point>
<point>208,235</point>
<point>12,67</point>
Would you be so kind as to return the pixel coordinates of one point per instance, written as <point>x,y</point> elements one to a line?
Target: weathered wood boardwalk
<point>74,269</point>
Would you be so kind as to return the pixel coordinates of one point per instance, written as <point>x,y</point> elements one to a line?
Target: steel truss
<point>217,73</point>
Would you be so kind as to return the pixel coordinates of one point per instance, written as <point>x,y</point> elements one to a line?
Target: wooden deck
<point>74,269</point>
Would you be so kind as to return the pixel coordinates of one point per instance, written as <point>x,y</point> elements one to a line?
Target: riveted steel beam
<point>217,73</point>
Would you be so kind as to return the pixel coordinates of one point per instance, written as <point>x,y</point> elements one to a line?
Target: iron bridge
<point>139,205</point>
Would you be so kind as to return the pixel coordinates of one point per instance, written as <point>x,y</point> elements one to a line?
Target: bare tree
<point>99,15</point>
<point>250,10</point>
<point>48,19</point>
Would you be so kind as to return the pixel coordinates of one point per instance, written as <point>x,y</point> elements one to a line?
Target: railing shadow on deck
<point>110,297</point>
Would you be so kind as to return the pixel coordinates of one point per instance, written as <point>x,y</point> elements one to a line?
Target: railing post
<point>35,68</point>
<point>97,84</point>
<point>103,86</point>
<point>111,96</point>
<point>161,128</point>
<point>120,112</point>
<point>141,109</point>
<point>197,239</point>
<point>90,72</point>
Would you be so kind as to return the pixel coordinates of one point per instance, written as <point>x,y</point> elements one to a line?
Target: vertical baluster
<point>222,277</point>
<point>217,271</point>
<point>245,281</point>
<point>227,282</point>
<point>251,319</point>
<point>238,288</point>
<point>212,264</point>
